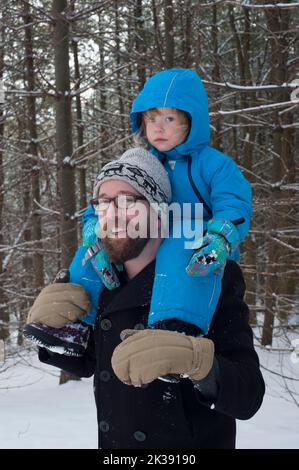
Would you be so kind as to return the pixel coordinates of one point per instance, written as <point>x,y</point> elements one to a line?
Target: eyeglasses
<point>121,201</point>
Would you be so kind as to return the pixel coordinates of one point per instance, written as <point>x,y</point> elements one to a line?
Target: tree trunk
<point>283,169</point>
<point>242,72</point>
<point>187,51</point>
<point>216,138</point>
<point>158,40</point>
<point>140,44</point>
<point>250,248</point>
<point>117,37</point>
<point>80,130</point>
<point>4,315</point>
<point>105,157</point>
<point>79,123</point>
<point>66,376</point>
<point>66,172</point>
<point>169,34</point>
<point>36,229</point>
<point>27,259</point>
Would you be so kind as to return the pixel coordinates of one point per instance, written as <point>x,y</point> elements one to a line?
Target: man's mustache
<point>111,226</point>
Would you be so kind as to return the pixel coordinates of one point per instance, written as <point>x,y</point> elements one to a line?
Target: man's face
<point>165,128</point>
<point>120,228</point>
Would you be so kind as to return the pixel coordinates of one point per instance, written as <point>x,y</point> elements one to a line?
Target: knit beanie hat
<point>140,169</point>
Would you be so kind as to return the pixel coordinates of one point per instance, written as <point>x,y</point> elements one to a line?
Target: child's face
<point>165,128</point>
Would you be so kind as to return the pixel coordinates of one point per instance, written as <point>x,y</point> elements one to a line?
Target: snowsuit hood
<point>181,89</point>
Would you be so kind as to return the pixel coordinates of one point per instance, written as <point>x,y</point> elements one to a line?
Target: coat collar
<point>131,294</point>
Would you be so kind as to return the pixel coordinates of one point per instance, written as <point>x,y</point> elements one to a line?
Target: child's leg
<point>87,277</point>
<point>176,295</point>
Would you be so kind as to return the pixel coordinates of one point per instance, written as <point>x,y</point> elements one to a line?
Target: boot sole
<point>51,342</point>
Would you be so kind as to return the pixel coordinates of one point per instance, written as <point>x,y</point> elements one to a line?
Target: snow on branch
<point>233,86</point>
<point>36,94</point>
<point>98,152</point>
<point>46,209</point>
<point>269,6</point>
<point>291,186</point>
<point>245,4</point>
<point>81,147</point>
<point>29,243</point>
<point>17,239</point>
<point>285,245</point>
<point>262,107</point>
<point>97,82</point>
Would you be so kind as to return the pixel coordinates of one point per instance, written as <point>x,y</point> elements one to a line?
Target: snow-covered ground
<point>276,424</point>
<point>38,413</point>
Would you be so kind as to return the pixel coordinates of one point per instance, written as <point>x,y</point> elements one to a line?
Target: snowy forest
<point>69,71</point>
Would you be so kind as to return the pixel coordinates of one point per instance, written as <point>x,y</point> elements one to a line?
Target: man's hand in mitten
<point>146,355</point>
<point>58,304</point>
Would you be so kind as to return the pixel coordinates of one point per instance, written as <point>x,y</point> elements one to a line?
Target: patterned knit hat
<point>140,169</point>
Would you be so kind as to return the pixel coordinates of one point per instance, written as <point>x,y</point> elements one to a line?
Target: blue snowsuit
<point>198,173</point>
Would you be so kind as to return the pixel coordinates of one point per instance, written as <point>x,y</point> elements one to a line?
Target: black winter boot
<point>70,340</point>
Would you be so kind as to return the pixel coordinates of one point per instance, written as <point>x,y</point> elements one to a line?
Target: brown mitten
<point>146,355</point>
<point>59,304</point>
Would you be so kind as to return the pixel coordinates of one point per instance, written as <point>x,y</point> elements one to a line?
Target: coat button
<point>106,324</point>
<point>105,376</point>
<point>104,426</point>
<point>139,436</point>
<point>139,326</point>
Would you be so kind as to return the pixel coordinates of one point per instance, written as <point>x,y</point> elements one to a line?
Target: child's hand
<point>89,236</point>
<point>210,257</point>
<point>96,252</point>
<point>214,248</point>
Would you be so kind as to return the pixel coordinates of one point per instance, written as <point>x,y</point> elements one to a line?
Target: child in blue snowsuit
<point>198,173</point>
<point>187,281</point>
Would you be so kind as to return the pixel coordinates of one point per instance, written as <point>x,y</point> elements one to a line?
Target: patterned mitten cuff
<point>227,230</point>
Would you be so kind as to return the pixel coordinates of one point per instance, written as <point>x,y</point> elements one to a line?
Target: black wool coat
<point>163,415</point>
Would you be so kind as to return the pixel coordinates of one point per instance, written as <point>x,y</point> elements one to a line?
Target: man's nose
<point>115,216</point>
<point>111,210</point>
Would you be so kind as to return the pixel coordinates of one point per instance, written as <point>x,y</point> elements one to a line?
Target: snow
<point>37,413</point>
<point>276,424</point>
<point>66,161</point>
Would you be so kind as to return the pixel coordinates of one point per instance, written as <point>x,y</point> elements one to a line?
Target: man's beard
<point>123,249</point>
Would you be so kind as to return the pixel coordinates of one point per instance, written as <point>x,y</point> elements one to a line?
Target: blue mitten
<point>212,250</point>
<point>96,252</point>
<point>89,236</point>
